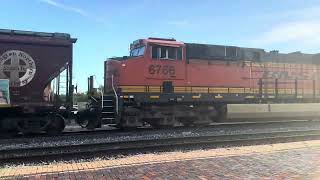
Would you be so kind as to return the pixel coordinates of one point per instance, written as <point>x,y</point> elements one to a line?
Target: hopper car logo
<point>18,67</point>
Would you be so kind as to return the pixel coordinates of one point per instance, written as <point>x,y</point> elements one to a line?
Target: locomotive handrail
<point>115,93</point>
<point>93,99</point>
<point>102,94</point>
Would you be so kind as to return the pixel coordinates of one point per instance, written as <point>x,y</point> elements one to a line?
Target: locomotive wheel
<point>56,125</point>
<point>130,119</point>
<point>221,113</point>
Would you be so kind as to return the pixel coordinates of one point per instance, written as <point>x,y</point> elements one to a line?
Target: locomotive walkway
<point>297,160</point>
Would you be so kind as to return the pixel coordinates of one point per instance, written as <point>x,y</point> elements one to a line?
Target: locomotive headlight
<point>123,65</point>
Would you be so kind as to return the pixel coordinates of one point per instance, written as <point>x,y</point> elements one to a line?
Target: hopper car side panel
<point>30,61</point>
<point>48,60</point>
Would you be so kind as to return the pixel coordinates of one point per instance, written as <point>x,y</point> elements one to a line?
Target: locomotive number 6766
<point>159,69</point>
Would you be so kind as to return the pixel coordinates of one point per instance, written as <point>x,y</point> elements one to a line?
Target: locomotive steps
<point>161,140</point>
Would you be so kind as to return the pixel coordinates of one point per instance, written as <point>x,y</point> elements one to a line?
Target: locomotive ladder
<point>109,109</point>
<point>108,112</point>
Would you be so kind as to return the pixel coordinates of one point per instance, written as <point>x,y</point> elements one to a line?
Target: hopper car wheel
<point>187,121</point>
<point>32,124</point>
<point>188,124</point>
<point>56,124</point>
<point>6,131</point>
<point>94,124</point>
<point>83,122</point>
<point>157,126</point>
<point>89,119</point>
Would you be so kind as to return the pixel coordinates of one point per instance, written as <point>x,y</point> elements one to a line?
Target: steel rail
<point>140,145</point>
<point>116,131</point>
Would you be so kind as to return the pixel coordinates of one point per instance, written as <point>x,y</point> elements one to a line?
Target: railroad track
<point>150,129</point>
<point>156,144</point>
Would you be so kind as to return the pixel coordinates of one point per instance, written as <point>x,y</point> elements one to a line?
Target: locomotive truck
<point>164,82</point>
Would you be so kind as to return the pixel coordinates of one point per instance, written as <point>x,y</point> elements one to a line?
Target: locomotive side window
<point>179,53</point>
<point>163,53</point>
<point>155,52</point>
<point>172,53</point>
<point>166,53</point>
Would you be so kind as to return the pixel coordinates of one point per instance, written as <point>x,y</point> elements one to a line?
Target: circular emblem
<point>18,67</point>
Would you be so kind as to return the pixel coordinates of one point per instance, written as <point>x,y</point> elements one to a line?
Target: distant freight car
<point>166,82</point>
<point>29,61</point>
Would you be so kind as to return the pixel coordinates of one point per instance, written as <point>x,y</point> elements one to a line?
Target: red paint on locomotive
<point>144,70</point>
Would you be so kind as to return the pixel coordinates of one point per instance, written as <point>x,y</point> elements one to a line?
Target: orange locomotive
<point>165,82</point>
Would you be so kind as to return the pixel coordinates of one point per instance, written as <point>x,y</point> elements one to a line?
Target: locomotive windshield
<point>137,51</point>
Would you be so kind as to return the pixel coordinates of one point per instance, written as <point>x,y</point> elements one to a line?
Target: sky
<point>105,28</point>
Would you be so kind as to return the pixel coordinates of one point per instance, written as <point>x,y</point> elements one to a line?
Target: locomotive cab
<point>155,66</point>
<point>166,62</point>
<point>152,61</point>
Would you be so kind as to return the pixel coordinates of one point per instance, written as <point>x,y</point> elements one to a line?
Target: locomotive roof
<point>33,34</point>
<point>233,53</point>
<point>164,41</point>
